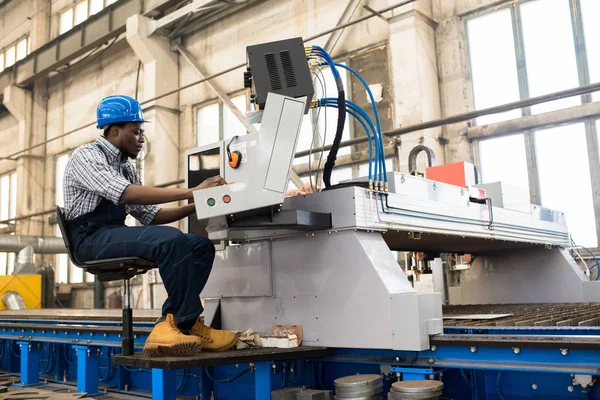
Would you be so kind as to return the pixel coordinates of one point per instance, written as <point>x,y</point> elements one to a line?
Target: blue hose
<point>228,380</point>
<point>380,158</point>
<point>498,390</point>
<point>372,98</point>
<point>366,118</point>
<point>325,55</point>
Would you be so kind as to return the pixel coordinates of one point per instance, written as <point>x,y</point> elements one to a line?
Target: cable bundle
<point>377,168</point>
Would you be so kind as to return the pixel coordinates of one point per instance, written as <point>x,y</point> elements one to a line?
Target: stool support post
<point>127,342</point>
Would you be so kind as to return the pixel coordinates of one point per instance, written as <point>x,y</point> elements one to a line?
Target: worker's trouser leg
<point>184,260</point>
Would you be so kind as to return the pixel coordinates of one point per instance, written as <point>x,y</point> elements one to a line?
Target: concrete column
<point>40,23</point>
<point>415,87</point>
<point>455,80</point>
<point>30,165</point>
<point>161,74</point>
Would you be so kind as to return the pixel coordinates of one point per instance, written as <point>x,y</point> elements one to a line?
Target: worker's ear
<point>115,131</point>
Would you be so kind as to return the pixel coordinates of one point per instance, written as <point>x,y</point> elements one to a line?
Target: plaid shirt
<point>96,171</point>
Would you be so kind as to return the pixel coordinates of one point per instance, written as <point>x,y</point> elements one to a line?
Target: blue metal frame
<point>163,384</point>
<point>87,369</point>
<point>262,381</point>
<point>490,373</point>
<point>30,359</point>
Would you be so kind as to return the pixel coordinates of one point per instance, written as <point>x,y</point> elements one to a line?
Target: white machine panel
<point>284,145</point>
<point>261,180</point>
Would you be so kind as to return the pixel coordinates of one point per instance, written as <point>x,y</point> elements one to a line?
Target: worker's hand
<point>211,182</point>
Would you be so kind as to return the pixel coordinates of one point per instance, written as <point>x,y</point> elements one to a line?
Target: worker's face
<point>131,139</point>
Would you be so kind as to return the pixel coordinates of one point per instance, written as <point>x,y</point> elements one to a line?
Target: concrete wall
<point>14,23</point>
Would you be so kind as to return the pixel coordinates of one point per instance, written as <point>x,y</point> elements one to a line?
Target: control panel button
<point>211,202</point>
<point>226,199</point>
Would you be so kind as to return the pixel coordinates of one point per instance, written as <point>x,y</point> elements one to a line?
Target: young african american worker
<point>101,186</point>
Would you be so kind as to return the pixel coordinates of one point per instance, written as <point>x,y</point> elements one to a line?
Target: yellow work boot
<point>213,339</point>
<point>166,340</point>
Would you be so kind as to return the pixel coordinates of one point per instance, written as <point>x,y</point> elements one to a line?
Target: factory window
<point>8,209</point>
<point>96,6</point>
<point>494,168</point>
<point>514,54</point>
<point>10,56</point>
<point>73,16</point>
<point>591,29</point>
<point>22,49</point>
<point>215,122</point>
<point>512,47</point>
<point>559,153</point>
<point>208,123</point>
<point>13,53</point>
<point>549,51</point>
<point>66,21</point>
<point>493,64</point>
<point>81,12</point>
<point>231,124</point>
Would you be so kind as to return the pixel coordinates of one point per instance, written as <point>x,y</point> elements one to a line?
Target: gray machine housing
<point>280,67</point>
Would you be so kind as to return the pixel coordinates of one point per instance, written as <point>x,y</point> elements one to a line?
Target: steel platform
<point>63,314</point>
<point>230,357</point>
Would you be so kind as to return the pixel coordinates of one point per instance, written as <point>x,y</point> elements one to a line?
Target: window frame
<point>15,46</point>
<point>591,127</point>
<point>221,107</point>
<point>73,8</point>
<point>7,256</point>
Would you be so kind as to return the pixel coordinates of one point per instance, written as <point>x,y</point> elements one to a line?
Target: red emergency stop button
<point>227,199</point>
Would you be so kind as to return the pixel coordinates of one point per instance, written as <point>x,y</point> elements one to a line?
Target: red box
<point>459,174</point>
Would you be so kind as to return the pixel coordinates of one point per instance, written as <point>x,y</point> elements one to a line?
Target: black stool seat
<point>111,269</point>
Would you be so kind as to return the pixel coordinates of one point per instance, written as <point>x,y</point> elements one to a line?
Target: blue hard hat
<point>119,108</point>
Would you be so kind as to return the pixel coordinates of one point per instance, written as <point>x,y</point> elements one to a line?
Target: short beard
<point>129,155</point>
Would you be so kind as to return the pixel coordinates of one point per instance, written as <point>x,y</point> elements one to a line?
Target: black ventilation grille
<point>273,71</point>
<point>288,68</point>
<point>280,68</point>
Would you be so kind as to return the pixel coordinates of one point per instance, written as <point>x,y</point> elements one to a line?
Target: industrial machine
<point>513,316</point>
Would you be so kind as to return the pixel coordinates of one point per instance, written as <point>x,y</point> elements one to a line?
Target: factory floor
<point>53,391</point>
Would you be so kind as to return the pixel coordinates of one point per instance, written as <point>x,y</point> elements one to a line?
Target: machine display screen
<point>201,166</point>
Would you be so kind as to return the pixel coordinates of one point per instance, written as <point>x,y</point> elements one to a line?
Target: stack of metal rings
<point>359,387</point>
<point>416,390</point>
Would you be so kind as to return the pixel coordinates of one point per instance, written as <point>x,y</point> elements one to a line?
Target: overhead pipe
<point>39,244</point>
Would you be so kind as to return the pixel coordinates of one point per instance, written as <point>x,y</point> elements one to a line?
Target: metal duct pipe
<point>13,301</point>
<point>40,244</point>
<point>25,261</point>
